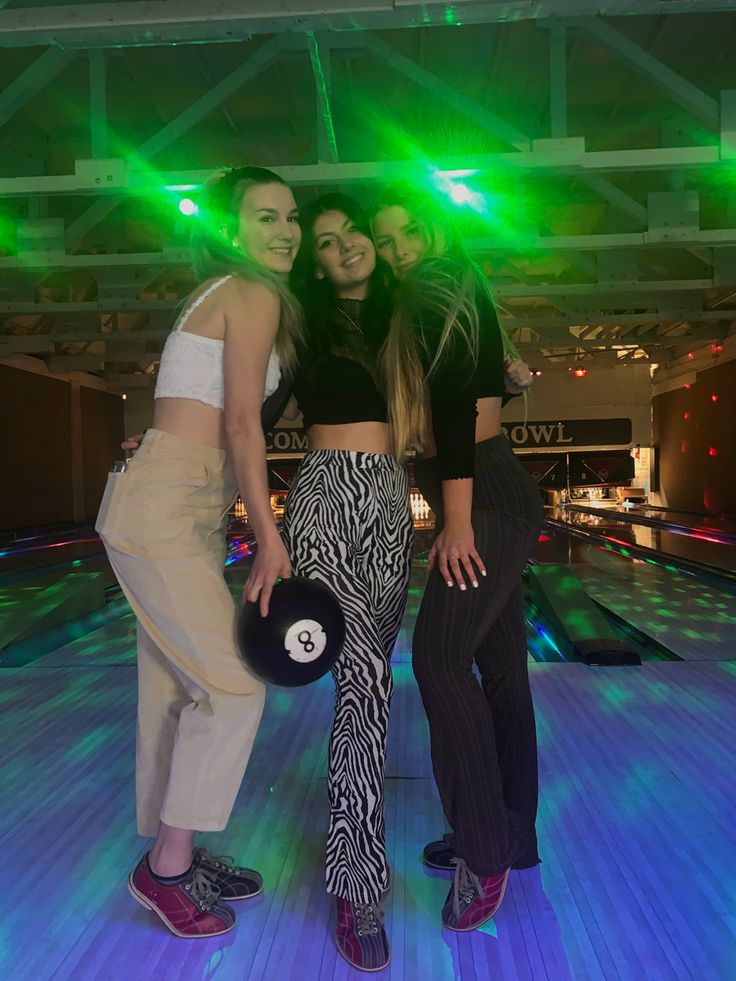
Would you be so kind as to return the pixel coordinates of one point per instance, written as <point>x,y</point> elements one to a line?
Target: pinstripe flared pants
<point>347,523</point>
<point>483,738</point>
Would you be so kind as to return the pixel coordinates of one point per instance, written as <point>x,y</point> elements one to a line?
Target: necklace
<point>351,321</point>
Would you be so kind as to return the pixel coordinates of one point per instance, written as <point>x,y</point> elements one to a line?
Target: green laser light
<point>188,207</point>
<point>461,194</point>
<point>457,191</point>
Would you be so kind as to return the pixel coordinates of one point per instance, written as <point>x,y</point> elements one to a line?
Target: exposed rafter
<point>446,93</point>
<point>35,78</point>
<point>326,139</point>
<point>621,279</point>
<point>175,129</point>
<point>674,85</point>
<point>542,158</point>
<point>98,103</point>
<point>143,22</point>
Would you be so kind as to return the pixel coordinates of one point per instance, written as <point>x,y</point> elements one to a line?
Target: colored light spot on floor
<point>616,695</point>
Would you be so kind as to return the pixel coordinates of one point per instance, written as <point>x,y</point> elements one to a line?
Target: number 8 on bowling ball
<point>299,640</point>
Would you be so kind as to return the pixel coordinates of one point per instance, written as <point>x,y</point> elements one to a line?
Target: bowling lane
<point>722,522</point>
<point>717,559</point>
<point>695,526</point>
<point>51,550</point>
<point>612,758</point>
<point>695,620</point>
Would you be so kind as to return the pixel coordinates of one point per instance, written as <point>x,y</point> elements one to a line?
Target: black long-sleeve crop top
<point>458,382</point>
<point>336,381</point>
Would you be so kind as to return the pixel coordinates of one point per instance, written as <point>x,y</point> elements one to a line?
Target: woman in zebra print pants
<point>347,522</point>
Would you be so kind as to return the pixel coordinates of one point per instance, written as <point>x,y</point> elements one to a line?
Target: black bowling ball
<point>299,640</point>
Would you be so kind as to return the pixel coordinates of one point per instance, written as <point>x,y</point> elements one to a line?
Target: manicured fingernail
<point>475,584</point>
<point>463,587</point>
<point>449,582</point>
<point>484,573</point>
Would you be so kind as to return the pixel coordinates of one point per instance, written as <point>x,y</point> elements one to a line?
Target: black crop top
<point>336,381</point>
<point>457,383</point>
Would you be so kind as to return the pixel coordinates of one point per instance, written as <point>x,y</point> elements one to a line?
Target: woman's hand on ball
<point>270,564</point>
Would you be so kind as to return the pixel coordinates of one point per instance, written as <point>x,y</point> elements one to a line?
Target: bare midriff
<point>361,437</point>
<point>487,424</point>
<point>191,420</point>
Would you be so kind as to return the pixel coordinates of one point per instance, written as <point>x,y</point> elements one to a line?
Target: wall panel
<point>36,449</point>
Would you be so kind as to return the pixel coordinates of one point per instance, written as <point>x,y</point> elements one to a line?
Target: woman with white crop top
<point>163,524</point>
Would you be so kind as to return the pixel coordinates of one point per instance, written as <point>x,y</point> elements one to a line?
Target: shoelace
<point>203,889</point>
<point>368,917</point>
<point>224,862</point>
<point>465,886</point>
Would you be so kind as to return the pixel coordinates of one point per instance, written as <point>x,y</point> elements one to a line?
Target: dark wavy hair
<point>317,296</point>
<point>213,253</point>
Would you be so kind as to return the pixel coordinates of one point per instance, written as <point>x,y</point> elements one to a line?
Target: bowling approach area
<point>635,825</point>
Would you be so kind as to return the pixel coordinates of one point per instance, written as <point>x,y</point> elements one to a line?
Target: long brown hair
<point>446,286</point>
<point>213,253</point>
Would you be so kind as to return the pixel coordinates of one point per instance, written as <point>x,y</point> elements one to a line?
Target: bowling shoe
<point>360,936</point>
<point>190,906</point>
<point>472,899</point>
<point>233,881</point>
<point>441,855</point>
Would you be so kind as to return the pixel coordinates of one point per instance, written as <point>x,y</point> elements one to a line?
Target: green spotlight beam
<point>497,204</point>
<point>174,130</point>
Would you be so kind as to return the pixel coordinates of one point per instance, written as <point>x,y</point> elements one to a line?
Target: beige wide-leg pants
<point>163,525</point>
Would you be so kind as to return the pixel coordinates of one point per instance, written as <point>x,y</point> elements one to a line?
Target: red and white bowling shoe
<point>190,907</point>
<point>360,936</point>
<point>472,899</point>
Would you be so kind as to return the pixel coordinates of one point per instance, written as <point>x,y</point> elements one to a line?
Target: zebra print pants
<point>347,523</point>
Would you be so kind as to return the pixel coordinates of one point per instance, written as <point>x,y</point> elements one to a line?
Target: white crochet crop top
<point>191,365</point>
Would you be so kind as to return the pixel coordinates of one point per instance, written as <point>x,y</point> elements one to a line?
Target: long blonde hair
<point>445,286</point>
<point>213,253</point>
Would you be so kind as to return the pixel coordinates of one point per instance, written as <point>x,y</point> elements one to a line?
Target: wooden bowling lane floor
<point>694,620</point>
<point>636,832</point>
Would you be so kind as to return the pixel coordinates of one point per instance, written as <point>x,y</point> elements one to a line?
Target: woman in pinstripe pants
<point>444,361</point>
<point>347,523</point>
